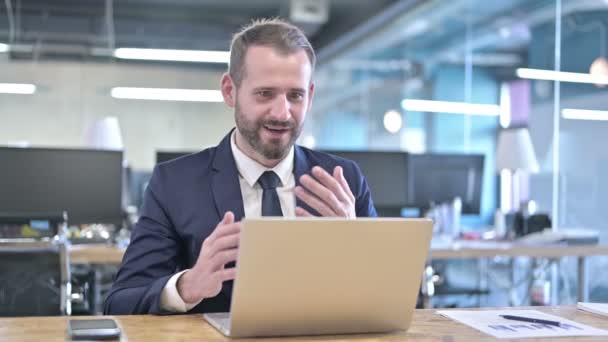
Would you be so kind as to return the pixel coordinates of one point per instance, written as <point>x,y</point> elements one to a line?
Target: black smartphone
<point>93,329</point>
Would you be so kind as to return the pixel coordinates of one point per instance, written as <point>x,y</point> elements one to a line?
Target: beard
<point>251,130</point>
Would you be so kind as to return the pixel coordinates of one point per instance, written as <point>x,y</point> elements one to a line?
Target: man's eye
<point>296,96</point>
<point>265,93</point>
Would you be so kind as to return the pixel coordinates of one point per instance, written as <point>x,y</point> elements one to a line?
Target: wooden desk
<point>477,249</point>
<point>426,326</point>
<point>95,254</point>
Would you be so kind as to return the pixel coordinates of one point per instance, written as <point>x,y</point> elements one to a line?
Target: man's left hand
<point>328,194</point>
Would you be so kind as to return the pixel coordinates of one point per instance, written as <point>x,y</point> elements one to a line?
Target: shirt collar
<point>251,170</point>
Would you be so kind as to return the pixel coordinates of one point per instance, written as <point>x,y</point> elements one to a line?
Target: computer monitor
<point>386,174</point>
<point>442,177</point>
<point>85,183</point>
<point>163,156</point>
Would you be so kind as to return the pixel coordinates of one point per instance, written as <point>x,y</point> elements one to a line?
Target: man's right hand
<point>205,279</point>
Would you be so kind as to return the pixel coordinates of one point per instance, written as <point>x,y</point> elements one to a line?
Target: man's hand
<point>327,194</point>
<point>205,279</point>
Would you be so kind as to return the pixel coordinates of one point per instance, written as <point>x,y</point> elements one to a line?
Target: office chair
<point>34,278</point>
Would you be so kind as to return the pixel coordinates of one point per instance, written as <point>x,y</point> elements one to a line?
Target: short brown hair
<point>275,33</point>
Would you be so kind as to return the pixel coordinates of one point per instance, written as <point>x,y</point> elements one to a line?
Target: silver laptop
<point>318,276</point>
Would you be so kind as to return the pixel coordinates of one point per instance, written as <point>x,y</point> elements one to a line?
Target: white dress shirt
<point>249,171</point>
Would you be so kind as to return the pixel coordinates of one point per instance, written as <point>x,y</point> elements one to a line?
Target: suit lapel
<point>225,183</point>
<point>302,165</point>
<point>226,191</point>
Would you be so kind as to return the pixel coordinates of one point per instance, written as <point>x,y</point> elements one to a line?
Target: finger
<point>222,258</point>
<point>339,175</point>
<point>320,191</point>
<point>225,242</point>
<point>227,274</point>
<point>314,202</point>
<point>303,212</point>
<point>227,229</point>
<point>330,182</point>
<point>228,218</point>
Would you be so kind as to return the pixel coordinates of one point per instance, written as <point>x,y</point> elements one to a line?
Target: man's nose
<point>281,108</point>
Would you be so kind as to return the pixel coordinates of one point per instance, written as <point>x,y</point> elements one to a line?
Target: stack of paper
<point>491,322</point>
<point>596,308</point>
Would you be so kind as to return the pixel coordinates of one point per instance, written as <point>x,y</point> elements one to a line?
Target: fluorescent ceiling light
<point>487,59</point>
<point>3,47</point>
<point>393,121</point>
<point>585,114</point>
<point>551,75</point>
<point>17,88</point>
<point>450,107</point>
<point>195,95</point>
<point>173,55</point>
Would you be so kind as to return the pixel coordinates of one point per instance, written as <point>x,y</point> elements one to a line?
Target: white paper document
<point>596,308</point>
<point>490,322</point>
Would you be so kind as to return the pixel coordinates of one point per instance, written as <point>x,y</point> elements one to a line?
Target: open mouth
<point>276,130</point>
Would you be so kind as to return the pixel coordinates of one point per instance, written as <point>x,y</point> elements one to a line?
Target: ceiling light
<point>551,75</point>
<point>392,121</point>
<point>450,107</point>
<point>487,59</point>
<point>17,88</point>
<point>195,95</point>
<point>599,67</point>
<point>173,55</point>
<point>3,47</point>
<point>585,114</point>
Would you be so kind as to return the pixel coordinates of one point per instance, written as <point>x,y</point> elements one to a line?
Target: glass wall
<point>494,56</point>
<point>579,127</point>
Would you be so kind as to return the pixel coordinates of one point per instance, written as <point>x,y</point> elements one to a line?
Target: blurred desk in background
<point>96,254</point>
<point>110,254</point>
<point>489,249</point>
<point>93,267</point>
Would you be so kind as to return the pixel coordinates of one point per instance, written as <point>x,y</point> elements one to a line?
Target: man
<point>182,251</point>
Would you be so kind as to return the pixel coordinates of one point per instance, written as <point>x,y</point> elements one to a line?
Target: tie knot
<point>269,180</point>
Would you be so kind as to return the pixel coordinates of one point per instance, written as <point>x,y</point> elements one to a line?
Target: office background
<point>375,57</point>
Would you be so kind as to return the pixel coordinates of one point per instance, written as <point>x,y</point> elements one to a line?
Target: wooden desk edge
<point>95,254</point>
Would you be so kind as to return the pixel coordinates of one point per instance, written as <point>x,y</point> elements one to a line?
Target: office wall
<point>71,95</point>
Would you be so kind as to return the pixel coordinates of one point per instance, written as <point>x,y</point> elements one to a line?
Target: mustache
<point>289,124</point>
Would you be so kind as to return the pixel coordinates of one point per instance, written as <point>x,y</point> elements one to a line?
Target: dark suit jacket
<point>184,201</point>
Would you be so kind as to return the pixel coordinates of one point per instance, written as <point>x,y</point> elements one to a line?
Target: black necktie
<point>270,199</point>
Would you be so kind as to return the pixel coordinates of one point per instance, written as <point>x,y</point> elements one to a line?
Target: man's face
<point>272,100</point>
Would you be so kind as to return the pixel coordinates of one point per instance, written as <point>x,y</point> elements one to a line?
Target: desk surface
<point>108,254</point>
<point>485,249</point>
<point>426,326</point>
<point>96,254</point>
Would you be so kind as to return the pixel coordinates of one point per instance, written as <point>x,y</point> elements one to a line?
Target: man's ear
<point>311,93</point>
<point>228,90</point>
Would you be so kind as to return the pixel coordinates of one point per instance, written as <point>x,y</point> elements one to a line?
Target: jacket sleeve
<point>152,257</point>
<point>364,204</point>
